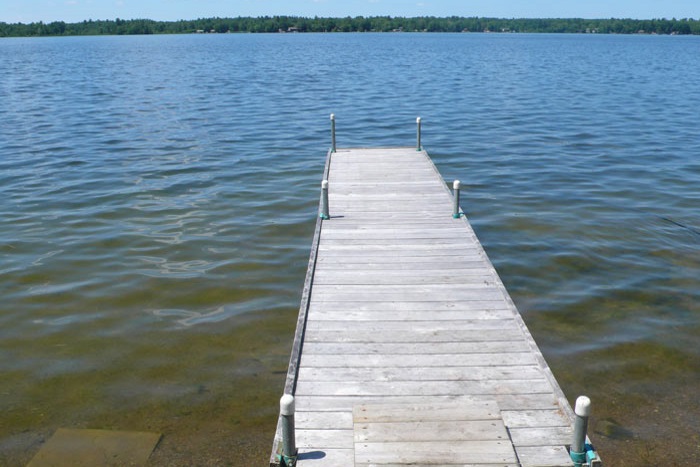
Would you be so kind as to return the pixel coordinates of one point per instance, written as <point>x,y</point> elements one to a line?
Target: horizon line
<point>358,16</point>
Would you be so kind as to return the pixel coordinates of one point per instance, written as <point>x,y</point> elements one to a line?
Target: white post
<point>325,214</point>
<point>418,146</point>
<point>332,132</point>
<point>289,446</point>
<point>456,187</point>
<point>578,444</point>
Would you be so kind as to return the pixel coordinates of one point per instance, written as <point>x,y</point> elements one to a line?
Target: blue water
<point>158,197</point>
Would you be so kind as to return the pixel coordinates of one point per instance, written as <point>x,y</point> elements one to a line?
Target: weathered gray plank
<point>457,431</point>
<point>326,457</point>
<point>480,293</point>
<point>460,276</point>
<point>461,409</point>
<point>544,456</point>
<point>417,335</point>
<point>423,388</point>
<point>389,207</point>
<point>324,439</point>
<point>339,420</point>
<point>371,222</point>
<point>415,348</point>
<point>378,325</point>
<point>395,216</point>
<point>439,290</point>
<point>445,304</point>
<point>435,255</point>
<point>535,418</point>
<point>432,316</point>
<point>451,373</point>
<point>334,403</point>
<point>460,464</point>
<point>425,260</point>
<point>393,202</point>
<point>360,266</point>
<point>389,199</point>
<point>402,173</point>
<point>415,361</point>
<point>404,247</point>
<point>380,211</point>
<point>377,185</point>
<point>373,165</point>
<point>436,452</point>
<point>423,293</point>
<point>541,436</point>
<point>395,234</point>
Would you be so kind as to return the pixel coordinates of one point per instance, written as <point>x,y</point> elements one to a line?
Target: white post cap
<point>456,185</point>
<point>583,406</point>
<point>324,184</point>
<point>287,405</point>
<point>332,116</point>
<point>418,120</point>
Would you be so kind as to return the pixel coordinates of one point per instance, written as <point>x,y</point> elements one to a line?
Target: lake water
<point>158,197</point>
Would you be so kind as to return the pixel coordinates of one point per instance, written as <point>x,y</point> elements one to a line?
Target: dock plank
<point>412,348</point>
<point>418,361</point>
<point>328,457</point>
<point>423,388</point>
<point>459,409</point>
<point>394,432</point>
<point>381,325</point>
<point>438,452</point>
<point>388,260</point>
<point>452,373</point>
<point>443,335</point>
<point>438,305</point>
<point>417,317</point>
<point>545,401</point>
<point>324,439</point>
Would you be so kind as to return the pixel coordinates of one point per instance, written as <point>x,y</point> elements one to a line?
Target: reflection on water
<point>158,197</point>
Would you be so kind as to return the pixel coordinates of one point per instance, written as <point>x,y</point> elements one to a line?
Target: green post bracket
<point>287,461</point>
<point>587,458</point>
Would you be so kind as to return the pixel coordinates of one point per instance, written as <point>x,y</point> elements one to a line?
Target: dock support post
<point>456,187</point>
<point>332,132</point>
<point>578,444</point>
<point>289,446</point>
<point>325,214</point>
<point>418,145</point>
<point>581,453</point>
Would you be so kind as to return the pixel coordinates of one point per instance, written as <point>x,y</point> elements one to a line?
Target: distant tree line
<point>267,24</point>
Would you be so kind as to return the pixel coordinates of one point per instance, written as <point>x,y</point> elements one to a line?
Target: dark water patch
<point>641,381</point>
<point>155,394</point>
<point>610,428</point>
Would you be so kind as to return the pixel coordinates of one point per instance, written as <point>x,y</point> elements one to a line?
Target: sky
<point>26,11</point>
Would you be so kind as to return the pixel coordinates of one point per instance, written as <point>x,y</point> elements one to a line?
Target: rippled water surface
<point>158,197</point>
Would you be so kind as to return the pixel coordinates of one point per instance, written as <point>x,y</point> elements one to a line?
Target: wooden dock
<point>409,350</point>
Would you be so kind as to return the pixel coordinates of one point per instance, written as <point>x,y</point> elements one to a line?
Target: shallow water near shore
<point>158,196</point>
